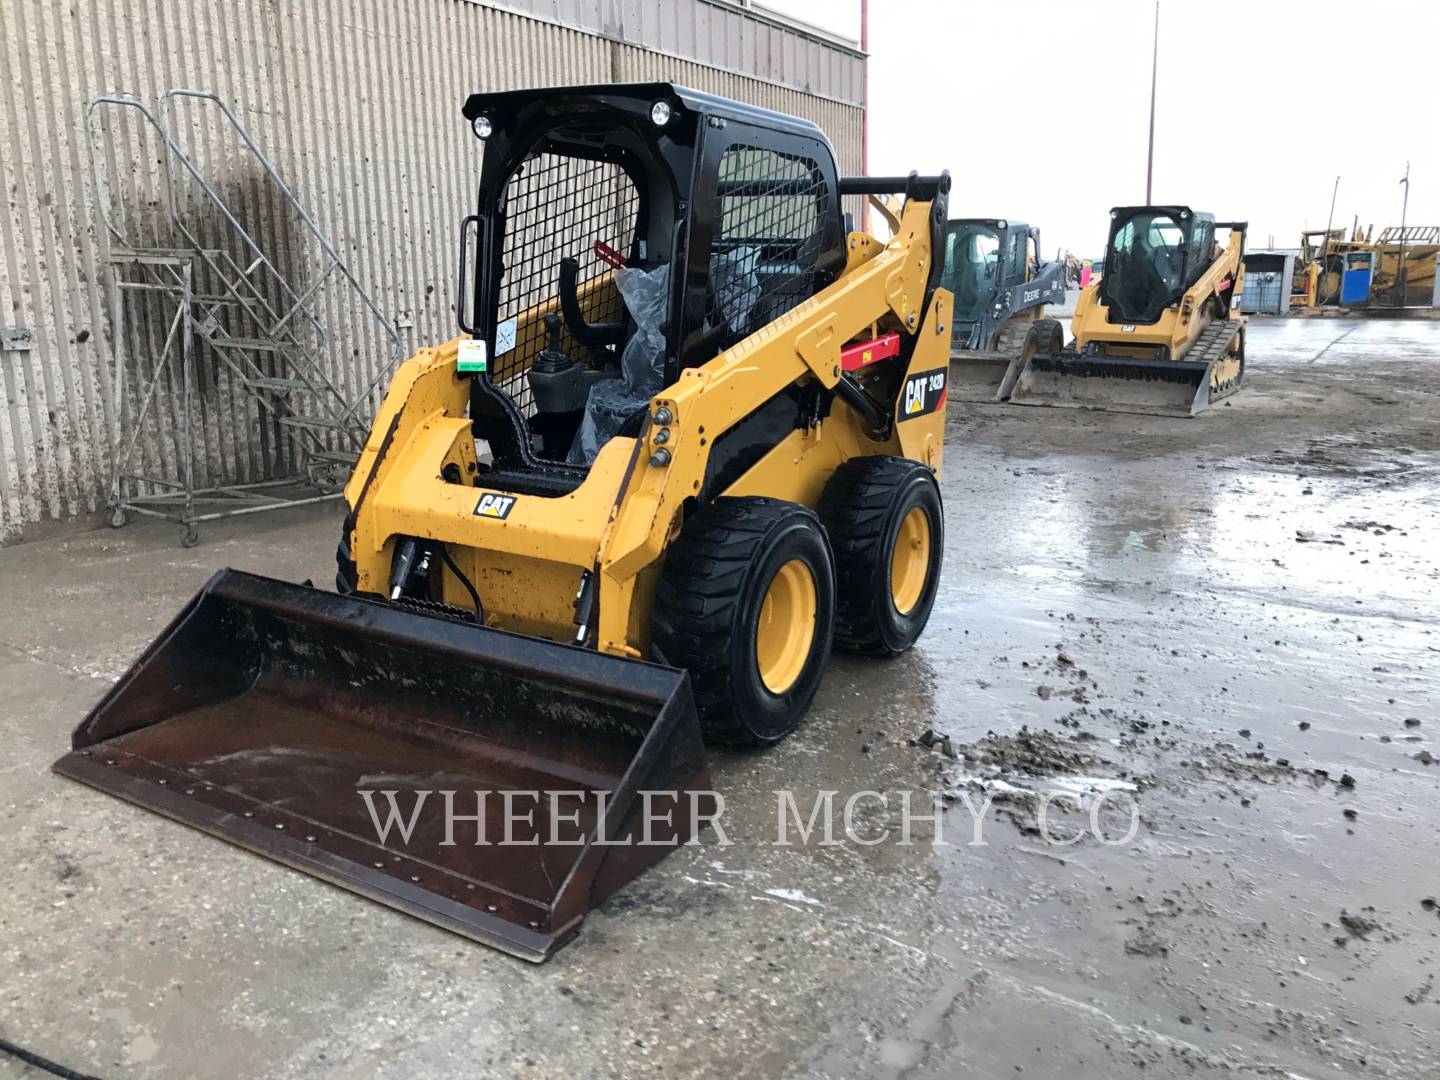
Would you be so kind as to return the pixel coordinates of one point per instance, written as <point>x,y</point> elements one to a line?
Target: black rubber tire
<point>862,507</point>
<point>1046,335</point>
<point>708,601</point>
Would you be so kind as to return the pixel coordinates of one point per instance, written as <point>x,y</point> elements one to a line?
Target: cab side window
<point>770,232</point>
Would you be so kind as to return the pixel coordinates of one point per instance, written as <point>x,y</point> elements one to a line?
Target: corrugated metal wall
<point>357,103</point>
<point>724,34</point>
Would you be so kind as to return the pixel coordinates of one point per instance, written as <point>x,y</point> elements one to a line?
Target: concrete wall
<point>357,103</point>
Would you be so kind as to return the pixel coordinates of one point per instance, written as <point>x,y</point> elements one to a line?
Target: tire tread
<point>705,572</point>
<point>856,507</point>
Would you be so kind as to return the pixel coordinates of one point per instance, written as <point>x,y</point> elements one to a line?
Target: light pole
<point>1325,244</point>
<point>1404,209</point>
<point>1154,66</point>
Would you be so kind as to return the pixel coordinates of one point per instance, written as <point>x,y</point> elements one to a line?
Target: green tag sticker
<point>473,356</point>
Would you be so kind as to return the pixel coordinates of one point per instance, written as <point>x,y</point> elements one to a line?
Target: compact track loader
<point>1161,332</point>
<point>992,268</point>
<point>688,440</point>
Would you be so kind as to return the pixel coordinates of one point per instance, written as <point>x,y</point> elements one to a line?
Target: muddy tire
<point>746,604</point>
<point>1045,335</point>
<point>887,528</point>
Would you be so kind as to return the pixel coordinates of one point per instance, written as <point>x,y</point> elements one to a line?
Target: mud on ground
<point>1230,621</point>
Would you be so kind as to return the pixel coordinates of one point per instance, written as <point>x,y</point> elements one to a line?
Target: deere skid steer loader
<point>992,269</point>
<point>688,439</point>
<point>1161,332</point>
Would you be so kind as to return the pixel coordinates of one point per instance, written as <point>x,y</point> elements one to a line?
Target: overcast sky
<point>1039,108</point>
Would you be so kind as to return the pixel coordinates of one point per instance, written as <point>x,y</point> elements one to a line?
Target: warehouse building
<point>315,199</point>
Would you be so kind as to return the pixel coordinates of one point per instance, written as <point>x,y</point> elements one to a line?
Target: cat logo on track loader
<point>495,506</point>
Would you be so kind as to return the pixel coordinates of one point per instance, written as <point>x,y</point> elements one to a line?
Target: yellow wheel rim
<point>910,561</point>
<point>786,628</point>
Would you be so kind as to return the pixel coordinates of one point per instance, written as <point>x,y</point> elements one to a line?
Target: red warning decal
<point>861,353</point>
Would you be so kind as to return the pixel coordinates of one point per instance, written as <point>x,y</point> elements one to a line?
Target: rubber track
<point>1213,341</point>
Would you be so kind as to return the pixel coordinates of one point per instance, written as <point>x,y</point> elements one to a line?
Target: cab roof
<point>1174,211</point>
<point>568,101</point>
<point>992,222</point>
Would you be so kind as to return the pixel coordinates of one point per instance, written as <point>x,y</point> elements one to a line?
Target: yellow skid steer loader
<point>1161,332</point>
<point>689,438</point>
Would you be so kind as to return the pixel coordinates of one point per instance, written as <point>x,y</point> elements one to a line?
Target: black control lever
<point>591,335</point>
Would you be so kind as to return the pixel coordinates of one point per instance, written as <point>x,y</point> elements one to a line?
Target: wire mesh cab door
<point>765,234</point>
<point>568,203</point>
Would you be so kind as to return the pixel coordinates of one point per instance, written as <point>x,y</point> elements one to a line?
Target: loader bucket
<point>1159,387</point>
<point>266,712</point>
<point>982,376</point>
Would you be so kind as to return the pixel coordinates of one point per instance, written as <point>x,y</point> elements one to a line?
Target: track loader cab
<point>992,267</point>
<point>1154,254</point>
<point>1160,332</point>
<point>688,442</point>
<point>980,257</point>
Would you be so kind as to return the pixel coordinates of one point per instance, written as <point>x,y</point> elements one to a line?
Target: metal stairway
<point>260,327</point>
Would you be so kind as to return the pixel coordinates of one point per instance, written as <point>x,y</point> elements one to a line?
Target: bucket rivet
<point>249,813</point>
<point>534,925</point>
<point>492,907</point>
<point>189,791</point>
<point>379,866</point>
<point>470,887</point>
<point>164,782</point>
<point>309,839</point>
<point>110,761</point>
<point>281,825</point>
<point>414,877</point>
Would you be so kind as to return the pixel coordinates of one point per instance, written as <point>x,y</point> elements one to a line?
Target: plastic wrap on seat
<point>735,287</point>
<point>642,365</point>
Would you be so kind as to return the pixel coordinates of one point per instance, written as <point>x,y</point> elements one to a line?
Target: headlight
<point>482,127</point>
<point>660,113</point>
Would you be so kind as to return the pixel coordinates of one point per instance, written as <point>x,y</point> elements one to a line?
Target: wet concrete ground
<point>1233,616</point>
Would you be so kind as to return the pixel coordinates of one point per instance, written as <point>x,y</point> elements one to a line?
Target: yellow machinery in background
<point>689,439</point>
<point>1402,273</point>
<point>1161,332</point>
